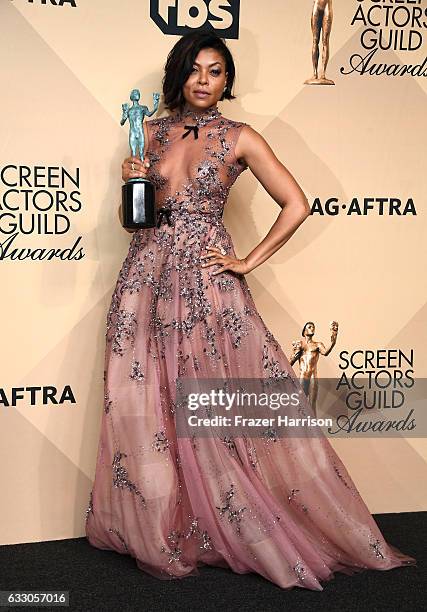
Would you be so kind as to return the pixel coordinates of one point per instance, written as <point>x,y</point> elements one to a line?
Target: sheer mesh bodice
<point>193,174</point>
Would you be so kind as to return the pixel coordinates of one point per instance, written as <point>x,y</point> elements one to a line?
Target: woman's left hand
<point>216,256</point>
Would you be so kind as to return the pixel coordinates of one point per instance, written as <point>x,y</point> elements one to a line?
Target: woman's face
<point>205,85</point>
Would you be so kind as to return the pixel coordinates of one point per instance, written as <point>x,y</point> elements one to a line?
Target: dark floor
<point>102,580</point>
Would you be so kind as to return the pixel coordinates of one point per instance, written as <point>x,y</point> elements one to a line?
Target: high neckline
<point>200,117</point>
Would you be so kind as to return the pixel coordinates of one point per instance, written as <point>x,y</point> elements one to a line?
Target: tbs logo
<point>182,16</point>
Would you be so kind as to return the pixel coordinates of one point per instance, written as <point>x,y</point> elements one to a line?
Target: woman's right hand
<point>140,168</point>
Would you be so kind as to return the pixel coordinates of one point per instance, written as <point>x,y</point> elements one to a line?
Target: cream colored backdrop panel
<point>65,73</point>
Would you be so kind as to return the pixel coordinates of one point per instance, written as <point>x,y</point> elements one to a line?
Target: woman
<point>284,508</point>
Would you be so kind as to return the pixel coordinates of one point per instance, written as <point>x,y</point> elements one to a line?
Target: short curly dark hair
<point>180,61</point>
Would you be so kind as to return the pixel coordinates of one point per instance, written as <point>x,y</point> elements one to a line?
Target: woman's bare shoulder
<point>250,140</point>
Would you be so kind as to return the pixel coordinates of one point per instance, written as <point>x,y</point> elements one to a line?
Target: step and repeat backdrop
<point>338,90</point>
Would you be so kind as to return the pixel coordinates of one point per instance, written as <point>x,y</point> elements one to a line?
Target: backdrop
<point>356,147</point>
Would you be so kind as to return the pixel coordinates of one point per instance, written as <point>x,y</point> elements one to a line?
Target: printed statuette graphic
<point>307,352</point>
<point>321,24</point>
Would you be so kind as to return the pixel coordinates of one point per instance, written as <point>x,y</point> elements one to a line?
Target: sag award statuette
<point>321,23</point>
<point>307,352</point>
<point>138,194</point>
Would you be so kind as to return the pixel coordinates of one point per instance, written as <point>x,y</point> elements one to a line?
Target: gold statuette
<point>307,352</point>
<point>321,23</point>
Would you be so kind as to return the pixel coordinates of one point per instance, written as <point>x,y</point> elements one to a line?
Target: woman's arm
<point>280,185</point>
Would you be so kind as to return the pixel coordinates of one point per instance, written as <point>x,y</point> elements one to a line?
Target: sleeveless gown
<point>286,509</point>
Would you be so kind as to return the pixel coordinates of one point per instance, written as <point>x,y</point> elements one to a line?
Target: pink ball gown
<point>286,509</point>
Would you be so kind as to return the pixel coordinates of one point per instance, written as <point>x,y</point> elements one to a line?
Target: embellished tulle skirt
<point>285,508</point>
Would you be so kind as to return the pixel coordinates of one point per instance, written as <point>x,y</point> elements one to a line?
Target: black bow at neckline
<point>191,128</point>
